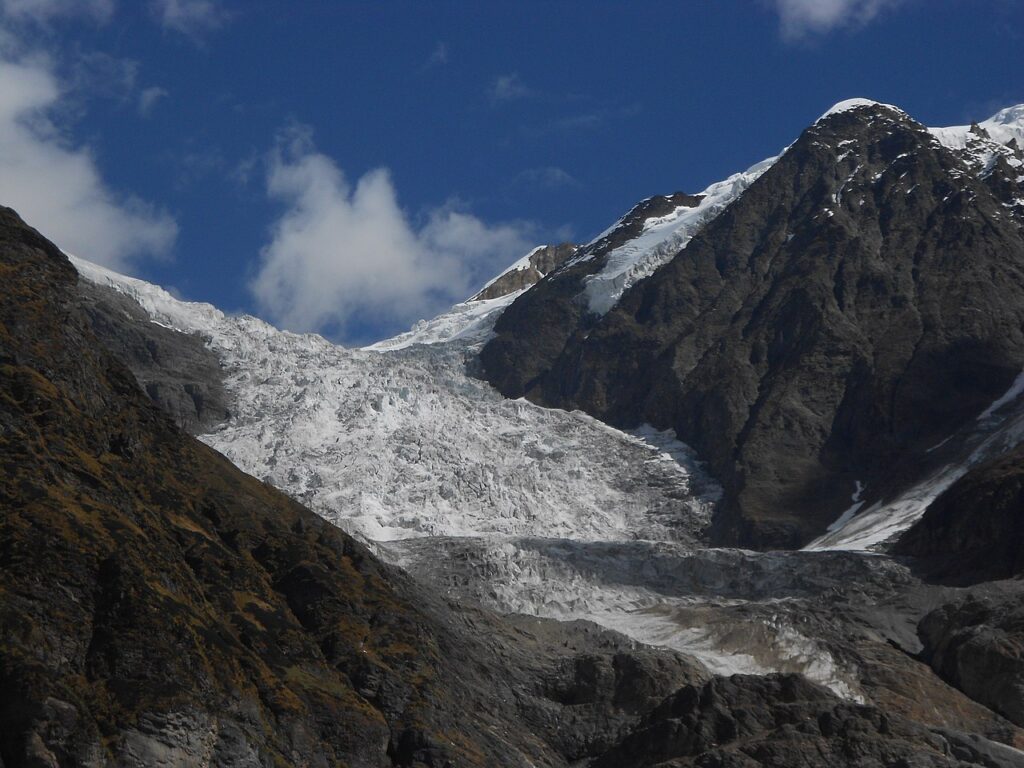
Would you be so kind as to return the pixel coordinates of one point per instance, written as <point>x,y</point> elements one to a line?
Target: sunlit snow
<point>662,238</point>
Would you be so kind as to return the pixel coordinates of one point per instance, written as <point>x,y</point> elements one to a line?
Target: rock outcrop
<point>538,263</point>
<point>785,720</point>
<point>176,370</point>
<point>977,644</point>
<point>975,530</point>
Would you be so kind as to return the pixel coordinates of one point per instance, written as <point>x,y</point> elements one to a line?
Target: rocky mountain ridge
<point>855,306</point>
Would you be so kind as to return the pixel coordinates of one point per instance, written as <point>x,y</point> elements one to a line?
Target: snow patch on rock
<point>1001,135</point>
<point>661,239</point>
<point>998,429</point>
<point>471,322</point>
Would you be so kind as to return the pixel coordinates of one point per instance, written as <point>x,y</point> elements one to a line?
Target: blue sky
<point>351,167</point>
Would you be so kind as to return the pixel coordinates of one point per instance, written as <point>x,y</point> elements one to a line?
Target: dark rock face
<point>856,305</point>
<point>977,645</point>
<point>786,720</point>
<point>586,687</point>
<point>975,530</point>
<point>542,261</point>
<point>176,370</point>
<point>536,328</point>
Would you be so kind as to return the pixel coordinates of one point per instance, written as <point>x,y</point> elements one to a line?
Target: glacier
<point>541,511</point>
<point>520,508</point>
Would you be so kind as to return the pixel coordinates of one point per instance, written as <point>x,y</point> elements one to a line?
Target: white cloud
<point>342,257</point>
<point>46,10</point>
<point>551,177</point>
<point>800,18</point>
<point>439,56</point>
<point>508,88</point>
<point>149,97</point>
<point>190,17</point>
<point>97,74</point>
<point>57,187</point>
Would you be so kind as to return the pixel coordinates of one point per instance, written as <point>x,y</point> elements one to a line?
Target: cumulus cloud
<point>46,10</point>
<point>800,18</point>
<point>57,187</point>
<point>342,256</point>
<point>190,17</point>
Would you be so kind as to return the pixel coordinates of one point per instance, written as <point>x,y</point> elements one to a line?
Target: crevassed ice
<point>404,449</point>
<point>407,444</point>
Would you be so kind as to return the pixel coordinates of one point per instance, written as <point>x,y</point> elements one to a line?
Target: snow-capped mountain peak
<point>848,105</point>
<point>1002,134</point>
<point>1006,125</point>
<point>661,237</point>
<point>536,510</point>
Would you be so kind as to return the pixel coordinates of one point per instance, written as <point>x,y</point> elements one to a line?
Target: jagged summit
<point>1004,127</point>
<point>848,105</point>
